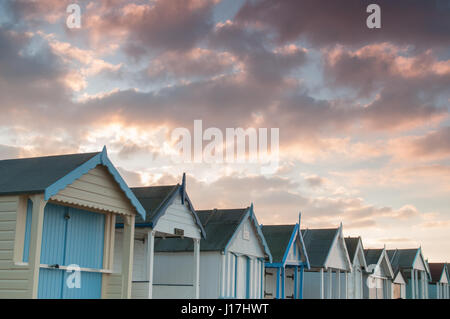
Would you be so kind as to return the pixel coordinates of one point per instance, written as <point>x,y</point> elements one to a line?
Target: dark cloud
<point>328,22</point>
<point>255,51</point>
<point>144,27</point>
<point>432,144</point>
<point>31,76</point>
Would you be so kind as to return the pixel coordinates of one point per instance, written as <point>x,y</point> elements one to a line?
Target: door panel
<point>90,286</point>
<point>289,283</point>
<point>85,236</point>
<point>53,235</point>
<point>50,283</point>
<point>241,292</point>
<point>71,236</point>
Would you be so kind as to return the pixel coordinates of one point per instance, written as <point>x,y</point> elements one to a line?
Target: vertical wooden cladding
<point>14,280</point>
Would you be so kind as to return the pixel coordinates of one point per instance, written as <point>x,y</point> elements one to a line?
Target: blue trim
<point>278,283</point>
<point>283,277</point>
<point>262,279</point>
<point>251,214</point>
<point>305,252</point>
<point>99,159</point>
<point>235,275</point>
<point>247,284</point>
<point>302,270</point>
<point>26,246</point>
<point>291,240</point>
<point>295,282</point>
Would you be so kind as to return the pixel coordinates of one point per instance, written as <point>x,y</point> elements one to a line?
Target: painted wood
<point>96,189</point>
<point>127,256</point>
<point>178,216</point>
<point>196,268</point>
<point>249,247</point>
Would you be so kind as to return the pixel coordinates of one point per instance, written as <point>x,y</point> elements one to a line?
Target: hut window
<point>26,243</point>
<point>246,232</point>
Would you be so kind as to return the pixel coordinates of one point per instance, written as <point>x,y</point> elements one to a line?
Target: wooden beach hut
<point>284,275</point>
<point>327,252</point>
<point>399,285</point>
<point>169,214</point>
<point>356,282</point>
<point>57,216</point>
<point>439,284</point>
<point>380,276</point>
<point>232,255</point>
<point>413,266</point>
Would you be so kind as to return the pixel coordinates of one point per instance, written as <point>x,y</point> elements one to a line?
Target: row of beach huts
<point>70,227</point>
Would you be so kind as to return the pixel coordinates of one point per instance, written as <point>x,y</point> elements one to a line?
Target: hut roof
<point>318,243</point>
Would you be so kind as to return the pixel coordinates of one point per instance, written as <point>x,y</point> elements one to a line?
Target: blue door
<point>71,237</point>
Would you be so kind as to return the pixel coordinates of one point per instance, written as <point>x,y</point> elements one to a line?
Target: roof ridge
<point>48,156</point>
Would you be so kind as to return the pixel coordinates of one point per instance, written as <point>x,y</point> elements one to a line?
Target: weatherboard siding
<point>176,270</point>
<point>250,246</point>
<point>178,216</point>
<point>98,190</point>
<point>14,279</point>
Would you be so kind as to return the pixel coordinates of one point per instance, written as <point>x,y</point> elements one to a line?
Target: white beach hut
<point>169,214</point>
<point>356,282</point>
<point>379,276</point>
<point>414,269</point>
<point>439,283</point>
<point>232,255</point>
<point>327,252</point>
<point>284,275</point>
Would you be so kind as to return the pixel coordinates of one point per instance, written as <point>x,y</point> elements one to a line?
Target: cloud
<point>157,26</point>
<point>329,22</point>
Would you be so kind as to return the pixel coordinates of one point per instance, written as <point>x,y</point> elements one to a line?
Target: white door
<point>270,283</point>
<point>289,283</point>
<point>241,280</point>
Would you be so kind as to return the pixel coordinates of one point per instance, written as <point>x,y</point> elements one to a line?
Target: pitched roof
<point>278,238</point>
<point>436,270</point>
<point>318,243</point>
<point>352,245</point>
<point>219,224</point>
<point>50,174</point>
<point>34,175</point>
<point>152,199</point>
<point>372,255</point>
<point>402,258</point>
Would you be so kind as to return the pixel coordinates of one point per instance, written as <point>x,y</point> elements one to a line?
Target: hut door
<point>270,279</point>
<point>242,280</point>
<point>71,237</point>
<point>289,283</point>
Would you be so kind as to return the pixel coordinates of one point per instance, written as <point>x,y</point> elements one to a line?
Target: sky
<point>363,114</point>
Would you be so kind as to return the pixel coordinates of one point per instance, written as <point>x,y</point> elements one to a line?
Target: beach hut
<point>379,275</point>
<point>356,282</point>
<point>414,269</point>
<point>399,285</point>
<point>57,216</point>
<point>327,252</point>
<point>232,254</point>
<point>169,214</point>
<point>284,275</point>
<point>439,284</point>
